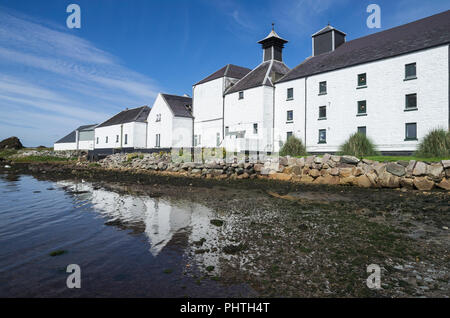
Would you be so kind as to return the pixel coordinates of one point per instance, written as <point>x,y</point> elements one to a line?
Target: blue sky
<point>53,79</point>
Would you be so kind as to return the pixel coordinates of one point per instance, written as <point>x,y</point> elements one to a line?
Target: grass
<point>405,158</point>
<point>42,159</point>
<point>435,144</point>
<point>358,145</point>
<point>293,147</point>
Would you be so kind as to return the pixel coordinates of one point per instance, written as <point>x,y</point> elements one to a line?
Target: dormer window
<point>322,88</point>
<point>241,95</point>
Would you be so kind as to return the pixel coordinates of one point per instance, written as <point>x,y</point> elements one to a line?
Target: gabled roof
<point>327,29</point>
<point>139,114</point>
<point>259,76</point>
<point>418,35</point>
<point>71,137</point>
<point>181,105</point>
<point>229,70</point>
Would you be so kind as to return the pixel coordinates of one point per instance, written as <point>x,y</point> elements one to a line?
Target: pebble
<point>7,166</point>
<point>445,228</point>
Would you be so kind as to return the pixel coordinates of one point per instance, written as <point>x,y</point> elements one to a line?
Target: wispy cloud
<point>51,74</point>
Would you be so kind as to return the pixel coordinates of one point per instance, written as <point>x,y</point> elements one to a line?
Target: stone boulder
<point>11,143</point>
<point>420,168</point>
<point>396,169</point>
<point>444,184</point>
<point>349,160</point>
<point>423,183</point>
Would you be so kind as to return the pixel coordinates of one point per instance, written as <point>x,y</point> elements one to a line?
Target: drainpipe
<point>306,101</point>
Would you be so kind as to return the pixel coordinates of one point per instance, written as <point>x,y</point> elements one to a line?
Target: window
<point>195,140</point>
<point>322,136</point>
<point>362,107</point>
<point>322,112</point>
<point>288,135</point>
<point>158,141</point>
<point>158,117</point>
<point>362,130</point>
<point>322,88</point>
<point>218,139</point>
<point>106,139</point>
<point>411,131</point>
<point>255,129</point>
<point>362,79</point>
<point>227,130</point>
<point>97,140</point>
<point>290,93</point>
<point>199,139</point>
<point>290,115</point>
<point>411,101</point>
<point>241,95</point>
<point>117,138</point>
<point>410,71</point>
<point>126,139</point>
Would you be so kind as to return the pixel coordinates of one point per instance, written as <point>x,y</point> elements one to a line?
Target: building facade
<point>170,122</point>
<point>81,138</point>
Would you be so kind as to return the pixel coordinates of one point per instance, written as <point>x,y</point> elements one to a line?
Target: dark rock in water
<point>37,191</point>
<point>11,143</point>
<point>58,252</point>
<point>216,222</point>
<point>233,249</point>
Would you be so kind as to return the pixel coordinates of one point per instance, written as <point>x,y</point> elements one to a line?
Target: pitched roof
<point>259,76</point>
<point>273,34</point>
<point>229,70</point>
<point>327,29</point>
<point>181,105</point>
<point>71,137</point>
<point>421,34</point>
<point>139,114</point>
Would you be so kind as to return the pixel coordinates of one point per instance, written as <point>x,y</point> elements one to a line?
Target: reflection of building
<point>81,138</point>
<point>160,220</point>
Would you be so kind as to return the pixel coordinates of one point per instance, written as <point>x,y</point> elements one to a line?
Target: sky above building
<point>54,79</point>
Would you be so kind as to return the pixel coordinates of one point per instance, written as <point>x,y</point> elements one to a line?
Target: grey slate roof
<point>229,70</point>
<point>327,29</point>
<point>179,105</point>
<point>139,114</point>
<point>257,77</point>
<point>421,34</point>
<point>71,137</point>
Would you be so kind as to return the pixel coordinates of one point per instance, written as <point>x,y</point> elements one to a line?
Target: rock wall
<point>329,169</point>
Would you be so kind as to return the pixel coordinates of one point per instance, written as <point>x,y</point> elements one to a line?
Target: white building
<point>208,104</point>
<point>392,86</point>
<point>81,138</point>
<point>170,123</point>
<point>127,129</point>
<point>249,104</point>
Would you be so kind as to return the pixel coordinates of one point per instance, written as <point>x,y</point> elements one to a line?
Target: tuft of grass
<point>404,158</point>
<point>43,159</point>
<point>293,147</point>
<point>435,144</point>
<point>358,145</point>
<point>7,153</point>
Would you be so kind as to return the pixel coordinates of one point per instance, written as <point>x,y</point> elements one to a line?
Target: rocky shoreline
<point>329,169</point>
<point>325,170</point>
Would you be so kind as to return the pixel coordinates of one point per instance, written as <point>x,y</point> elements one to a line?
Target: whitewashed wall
<point>65,146</point>
<point>86,145</point>
<point>207,111</point>
<point>182,132</point>
<point>131,129</point>
<point>163,127</point>
<point>241,114</point>
<point>385,96</point>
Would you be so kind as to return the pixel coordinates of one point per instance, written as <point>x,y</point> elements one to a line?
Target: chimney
<point>326,40</point>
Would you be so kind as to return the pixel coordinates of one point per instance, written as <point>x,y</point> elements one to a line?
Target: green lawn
<point>397,158</point>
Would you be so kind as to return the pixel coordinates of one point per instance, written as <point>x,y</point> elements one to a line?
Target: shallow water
<point>126,245</point>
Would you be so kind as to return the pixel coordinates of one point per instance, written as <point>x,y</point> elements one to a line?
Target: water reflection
<point>164,223</point>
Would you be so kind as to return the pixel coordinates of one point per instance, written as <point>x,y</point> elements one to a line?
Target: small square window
<point>323,87</point>
<point>410,71</point>
<point>158,117</point>
<point>362,79</point>
<point>322,136</point>
<point>290,93</point>
<point>362,107</point>
<point>288,135</point>
<point>241,95</point>
<point>411,101</point>
<point>322,112</point>
<point>290,115</point>
<point>362,130</point>
<point>411,131</point>
<point>255,128</point>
